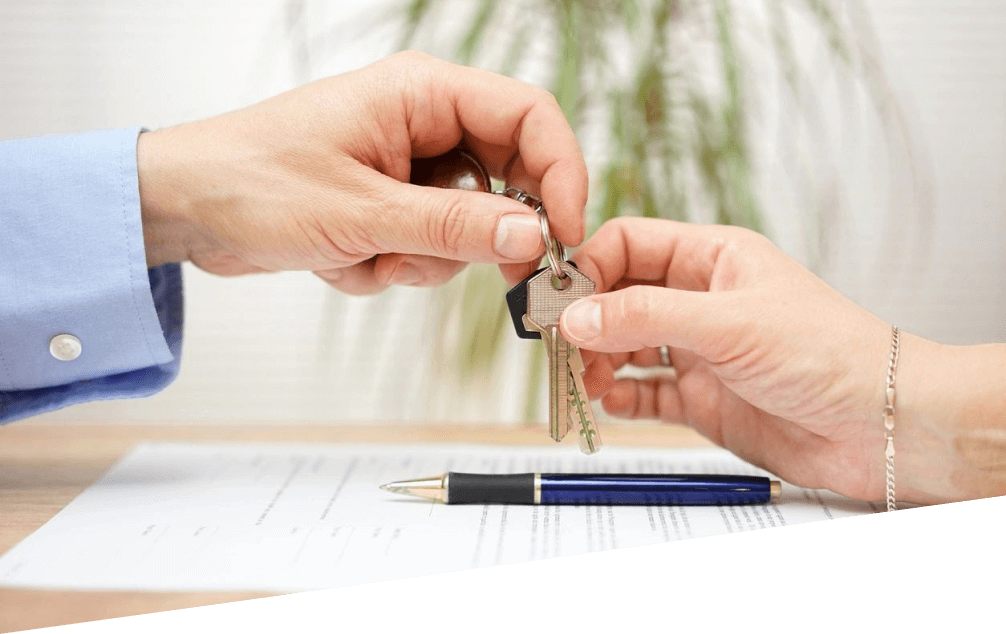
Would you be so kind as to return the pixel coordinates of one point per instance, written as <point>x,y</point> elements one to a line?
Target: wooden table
<point>44,466</point>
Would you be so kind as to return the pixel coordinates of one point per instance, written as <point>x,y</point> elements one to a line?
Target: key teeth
<point>590,441</point>
<point>588,437</point>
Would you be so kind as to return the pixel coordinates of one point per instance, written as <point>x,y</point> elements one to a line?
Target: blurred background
<point>867,139</point>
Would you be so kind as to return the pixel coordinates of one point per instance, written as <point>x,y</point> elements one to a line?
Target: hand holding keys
<point>537,302</point>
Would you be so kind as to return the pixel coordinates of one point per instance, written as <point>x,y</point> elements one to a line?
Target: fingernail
<point>518,237</point>
<point>582,320</point>
<point>405,274</point>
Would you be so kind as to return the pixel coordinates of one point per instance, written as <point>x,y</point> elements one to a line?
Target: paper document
<point>270,517</point>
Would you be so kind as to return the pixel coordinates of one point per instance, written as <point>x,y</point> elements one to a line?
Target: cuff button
<point>65,347</point>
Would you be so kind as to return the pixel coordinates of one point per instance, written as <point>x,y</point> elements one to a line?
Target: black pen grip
<point>488,488</point>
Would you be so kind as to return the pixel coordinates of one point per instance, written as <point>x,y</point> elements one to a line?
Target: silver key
<point>547,297</point>
<point>581,416</point>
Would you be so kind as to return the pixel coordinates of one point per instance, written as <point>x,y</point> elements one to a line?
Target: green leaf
<point>476,31</point>
<point>517,49</point>
<point>566,86</point>
<point>829,24</point>
<point>415,11</point>
<point>782,43</point>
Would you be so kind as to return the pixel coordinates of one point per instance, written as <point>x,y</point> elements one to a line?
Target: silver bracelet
<point>892,368</point>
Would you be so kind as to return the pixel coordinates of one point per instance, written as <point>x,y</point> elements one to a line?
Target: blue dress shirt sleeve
<point>72,262</point>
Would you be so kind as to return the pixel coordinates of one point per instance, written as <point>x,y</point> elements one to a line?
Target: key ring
<point>554,250</point>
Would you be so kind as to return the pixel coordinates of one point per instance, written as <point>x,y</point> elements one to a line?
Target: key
<point>516,299</point>
<point>547,296</point>
<point>558,414</point>
<point>580,414</point>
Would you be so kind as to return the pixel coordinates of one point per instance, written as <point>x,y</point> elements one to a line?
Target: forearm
<point>951,425</point>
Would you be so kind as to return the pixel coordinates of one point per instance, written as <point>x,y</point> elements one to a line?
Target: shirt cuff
<point>72,262</point>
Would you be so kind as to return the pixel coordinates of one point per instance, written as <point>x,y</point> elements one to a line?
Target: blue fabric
<point>72,260</point>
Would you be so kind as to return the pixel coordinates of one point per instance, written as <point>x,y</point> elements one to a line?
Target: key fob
<point>456,169</point>
<point>516,301</point>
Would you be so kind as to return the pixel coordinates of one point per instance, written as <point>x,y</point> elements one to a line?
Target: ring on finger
<point>665,356</point>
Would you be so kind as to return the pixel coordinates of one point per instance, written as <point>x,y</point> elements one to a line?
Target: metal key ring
<point>554,250</point>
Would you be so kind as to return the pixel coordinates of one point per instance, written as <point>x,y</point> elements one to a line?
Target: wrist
<point>919,433</point>
<point>950,437</point>
<point>168,230</point>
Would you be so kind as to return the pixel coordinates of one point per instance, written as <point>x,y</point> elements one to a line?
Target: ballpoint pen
<point>591,488</point>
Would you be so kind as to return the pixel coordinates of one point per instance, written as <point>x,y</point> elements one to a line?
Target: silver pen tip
<point>430,488</point>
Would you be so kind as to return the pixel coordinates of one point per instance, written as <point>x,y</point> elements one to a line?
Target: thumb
<point>649,317</point>
<point>463,225</point>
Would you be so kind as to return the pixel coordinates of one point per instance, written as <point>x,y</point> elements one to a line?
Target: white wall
<point>284,348</point>
<point>947,64</point>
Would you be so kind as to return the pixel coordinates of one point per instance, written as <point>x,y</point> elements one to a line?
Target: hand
<point>770,362</point>
<point>317,179</point>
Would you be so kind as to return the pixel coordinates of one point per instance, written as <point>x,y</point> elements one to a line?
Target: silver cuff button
<point>65,347</point>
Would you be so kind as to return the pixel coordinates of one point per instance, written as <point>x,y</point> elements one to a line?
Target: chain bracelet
<point>892,368</point>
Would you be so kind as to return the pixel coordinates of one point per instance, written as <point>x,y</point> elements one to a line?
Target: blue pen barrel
<point>653,489</point>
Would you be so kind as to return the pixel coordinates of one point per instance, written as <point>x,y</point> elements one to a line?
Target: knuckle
<point>617,225</point>
<point>403,72</point>
<point>546,96</point>
<point>742,236</point>
<point>625,226</point>
<point>447,227</point>
<point>609,232</point>
<point>741,244</point>
<point>635,306</point>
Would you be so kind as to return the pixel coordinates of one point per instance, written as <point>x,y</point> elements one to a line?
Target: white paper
<point>268,517</point>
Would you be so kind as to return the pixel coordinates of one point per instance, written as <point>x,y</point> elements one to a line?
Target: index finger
<point>648,250</point>
<point>501,118</point>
